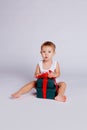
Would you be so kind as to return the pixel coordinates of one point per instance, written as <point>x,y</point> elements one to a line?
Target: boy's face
<point>47,53</point>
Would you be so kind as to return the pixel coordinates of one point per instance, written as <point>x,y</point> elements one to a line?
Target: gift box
<point>45,88</point>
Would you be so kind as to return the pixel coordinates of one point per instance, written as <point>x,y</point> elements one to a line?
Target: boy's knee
<point>63,84</point>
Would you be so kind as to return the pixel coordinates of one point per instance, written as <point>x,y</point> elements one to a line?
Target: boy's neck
<point>48,61</point>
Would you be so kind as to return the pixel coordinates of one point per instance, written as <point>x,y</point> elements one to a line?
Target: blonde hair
<point>49,43</point>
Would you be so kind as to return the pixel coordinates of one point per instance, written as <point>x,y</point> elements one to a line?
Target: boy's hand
<point>50,74</point>
<point>36,75</point>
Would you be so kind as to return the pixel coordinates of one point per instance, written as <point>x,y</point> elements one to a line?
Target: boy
<point>46,64</point>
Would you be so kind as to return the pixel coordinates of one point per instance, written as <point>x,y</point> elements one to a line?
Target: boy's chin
<point>46,59</point>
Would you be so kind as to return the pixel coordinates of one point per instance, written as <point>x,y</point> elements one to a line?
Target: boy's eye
<point>46,52</point>
<point>43,51</point>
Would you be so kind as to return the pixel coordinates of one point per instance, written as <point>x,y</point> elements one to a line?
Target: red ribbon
<point>44,84</point>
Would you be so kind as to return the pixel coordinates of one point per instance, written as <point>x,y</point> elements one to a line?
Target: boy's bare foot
<point>60,98</point>
<point>15,95</point>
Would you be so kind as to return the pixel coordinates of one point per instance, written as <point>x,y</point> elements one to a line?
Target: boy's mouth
<point>46,57</point>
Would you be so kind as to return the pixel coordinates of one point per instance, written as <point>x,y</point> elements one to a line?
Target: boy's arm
<point>56,73</point>
<point>37,72</point>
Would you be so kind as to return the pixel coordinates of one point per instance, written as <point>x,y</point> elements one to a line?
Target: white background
<point>24,26</point>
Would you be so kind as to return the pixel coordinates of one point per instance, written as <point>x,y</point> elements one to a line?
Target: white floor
<point>31,113</point>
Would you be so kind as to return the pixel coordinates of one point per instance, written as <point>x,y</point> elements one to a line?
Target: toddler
<point>47,63</point>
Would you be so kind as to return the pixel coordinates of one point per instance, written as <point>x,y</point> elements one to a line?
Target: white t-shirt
<point>52,68</point>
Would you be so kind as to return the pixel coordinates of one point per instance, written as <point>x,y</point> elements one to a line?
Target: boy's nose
<point>45,54</point>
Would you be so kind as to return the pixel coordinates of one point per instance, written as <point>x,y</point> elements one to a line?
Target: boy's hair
<point>49,43</point>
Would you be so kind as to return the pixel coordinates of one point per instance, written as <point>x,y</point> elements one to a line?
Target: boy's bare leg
<point>24,89</point>
<point>60,96</point>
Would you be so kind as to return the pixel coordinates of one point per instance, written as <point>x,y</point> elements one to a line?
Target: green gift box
<point>50,90</point>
